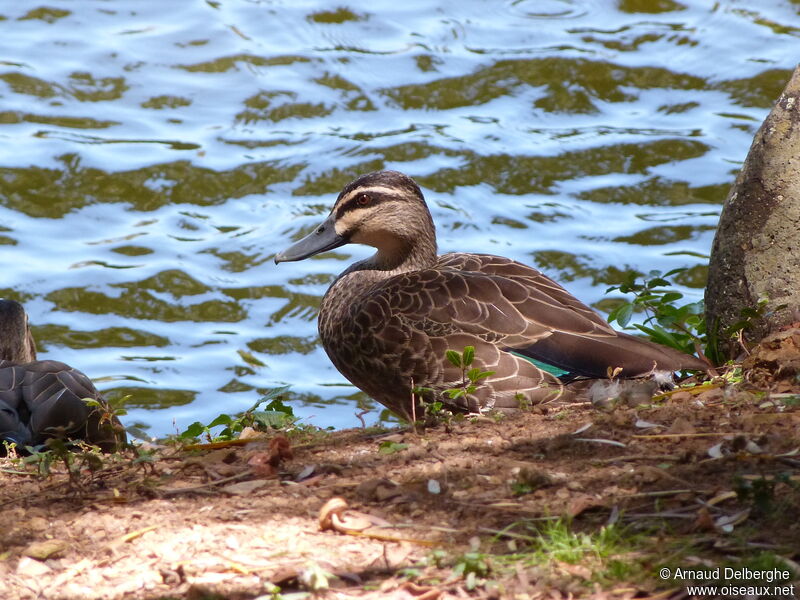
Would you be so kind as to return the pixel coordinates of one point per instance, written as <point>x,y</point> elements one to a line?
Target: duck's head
<point>16,339</point>
<point>384,209</point>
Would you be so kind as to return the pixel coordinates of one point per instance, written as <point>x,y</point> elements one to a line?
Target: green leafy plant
<point>671,321</point>
<point>74,456</point>
<point>474,567</point>
<point>275,415</point>
<point>470,381</point>
<point>470,378</point>
<point>760,492</point>
<point>668,321</point>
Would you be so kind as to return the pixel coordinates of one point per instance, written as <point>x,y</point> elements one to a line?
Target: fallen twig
<point>636,457</point>
<point>205,486</point>
<point>659,493</point>
<point>664,436</point>
<point>131,536</point>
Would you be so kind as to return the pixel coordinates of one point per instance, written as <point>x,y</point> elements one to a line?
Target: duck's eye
<point>363,199</point>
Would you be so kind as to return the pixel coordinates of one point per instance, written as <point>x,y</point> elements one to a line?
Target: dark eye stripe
<point>352,203</point>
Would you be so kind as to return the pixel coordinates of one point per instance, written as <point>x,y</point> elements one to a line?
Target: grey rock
<point>756,250</point>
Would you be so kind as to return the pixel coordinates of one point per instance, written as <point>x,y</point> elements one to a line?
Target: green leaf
<point>277,405</point>
<point>274,393</point>
<point>435,407</point>
<point>454,358</point>
<point>222,419</point>
<point>661,336</point>
<point>622,314</point>
<point>671,297</point>
<point>274,419</point>
<point>657,282</point>
<point>194,430</point>
<point>468,356</point>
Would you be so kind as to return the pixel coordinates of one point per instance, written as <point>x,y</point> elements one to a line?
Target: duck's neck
<point>403,255</point>
<point>397,255</point>
<point>17,346</point>
<point>412,250</point>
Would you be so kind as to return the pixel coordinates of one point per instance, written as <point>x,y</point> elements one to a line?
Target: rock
<point>756,251</point>
<point>245,488</point>
<point>27,567</point>
<point>46,549</point>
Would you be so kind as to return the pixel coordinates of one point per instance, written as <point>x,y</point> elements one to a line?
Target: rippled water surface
<point>154,156</point>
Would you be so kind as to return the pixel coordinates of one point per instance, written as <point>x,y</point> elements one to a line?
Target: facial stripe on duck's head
<point>385,210</point>
<point>391,183</point>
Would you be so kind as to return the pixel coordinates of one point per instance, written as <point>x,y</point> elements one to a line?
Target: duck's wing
<point>529,296</point>
<point>516,308</point>
<point>13,425</point>
<point>580,341</point>
<point>50,401</point>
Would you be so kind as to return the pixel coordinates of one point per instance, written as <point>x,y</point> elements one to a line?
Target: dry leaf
<point>280,449</point>
<point>721,497</point>
<point>681,425</point>
<point>334,506</point>
<point>581,504</point>
<point>261,462</point>
<point>704,521</point>
<point>248,433</point>
<point>335,515</point>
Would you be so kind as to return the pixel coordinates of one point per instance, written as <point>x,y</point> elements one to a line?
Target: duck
<point>43,399</point>
<point>387,322</point>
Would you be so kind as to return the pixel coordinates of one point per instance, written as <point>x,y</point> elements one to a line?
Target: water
<point>155,156</point>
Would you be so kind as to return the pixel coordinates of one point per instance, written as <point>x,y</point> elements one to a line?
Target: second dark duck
<point>41,399</point>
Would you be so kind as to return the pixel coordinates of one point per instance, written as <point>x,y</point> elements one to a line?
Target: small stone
<point>37,524</point>
<point>46,549</point>
<point>27,567</point>
<point>245,487</point>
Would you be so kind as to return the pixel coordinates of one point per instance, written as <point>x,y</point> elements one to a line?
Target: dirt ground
<point>243,521</point>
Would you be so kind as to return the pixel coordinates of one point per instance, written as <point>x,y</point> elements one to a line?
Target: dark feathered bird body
<point>41,399</point>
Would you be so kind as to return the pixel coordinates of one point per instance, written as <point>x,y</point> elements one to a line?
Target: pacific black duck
<point>41,399</point>
<point>387,321</point>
